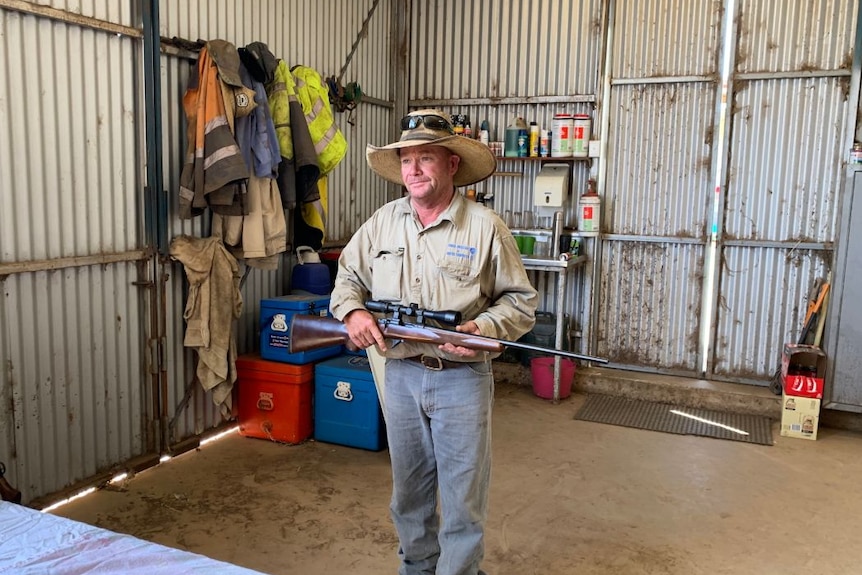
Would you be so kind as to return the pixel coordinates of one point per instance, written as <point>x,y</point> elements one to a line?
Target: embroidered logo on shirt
<point>461,252</point>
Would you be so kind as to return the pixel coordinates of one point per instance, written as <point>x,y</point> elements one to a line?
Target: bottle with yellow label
<point>534,140</point>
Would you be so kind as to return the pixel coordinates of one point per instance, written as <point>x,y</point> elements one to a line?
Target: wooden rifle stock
<point>311,332</point>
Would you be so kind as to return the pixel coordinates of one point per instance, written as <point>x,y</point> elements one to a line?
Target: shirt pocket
<point>461,286</point>
<point>387,269</point>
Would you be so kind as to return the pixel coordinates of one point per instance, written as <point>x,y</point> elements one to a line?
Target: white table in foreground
<point>560,267</point>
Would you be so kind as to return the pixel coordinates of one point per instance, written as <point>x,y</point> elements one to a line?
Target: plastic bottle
<point>534,140</point>
<point>511,144</point>
<point>523,143</point>
<point>544,141</point>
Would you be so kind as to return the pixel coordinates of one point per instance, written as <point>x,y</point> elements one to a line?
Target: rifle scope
<point>449,317</point>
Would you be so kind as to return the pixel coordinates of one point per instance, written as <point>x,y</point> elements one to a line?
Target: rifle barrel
<point>553,351</point>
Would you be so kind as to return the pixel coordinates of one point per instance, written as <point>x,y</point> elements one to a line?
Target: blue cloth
<point>255,133</point>
<point>438,424</point>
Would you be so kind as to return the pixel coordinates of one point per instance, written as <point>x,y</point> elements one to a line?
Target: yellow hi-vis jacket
<point>312,92</point>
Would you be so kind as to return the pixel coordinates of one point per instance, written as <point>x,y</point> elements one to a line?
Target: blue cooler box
<point>346,408</point>
<point>275,316</point>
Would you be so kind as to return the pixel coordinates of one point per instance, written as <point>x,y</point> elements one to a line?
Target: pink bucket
<point>542,370</point>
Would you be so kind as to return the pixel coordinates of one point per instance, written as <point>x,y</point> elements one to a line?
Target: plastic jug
<point>310,274</point>
<point>516,138</point>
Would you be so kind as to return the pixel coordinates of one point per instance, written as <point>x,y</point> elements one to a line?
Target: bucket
<point>542,370</point>
<point>310,275</point>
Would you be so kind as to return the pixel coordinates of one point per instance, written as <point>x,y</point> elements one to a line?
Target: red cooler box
<point>274,399</point>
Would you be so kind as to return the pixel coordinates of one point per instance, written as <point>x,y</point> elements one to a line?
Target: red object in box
<point>803,368</point>
<point>274,399</point>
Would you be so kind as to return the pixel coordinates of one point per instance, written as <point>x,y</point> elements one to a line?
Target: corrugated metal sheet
<point>798,36</point>
<point>785,165</point>
<point>72,341</point>
<point>503,48</point>
<point>762,305</point>
<point>70,182</point>
<point>788,129</point>
<point>662,38</point>
<point>660,145</point>
<point>785,149</point>
<point>650,303</point>
<point>107,10</point>
<point>543,57</point>
<point>72,338</point>
<point>785,173</point>
<point>658,183</point>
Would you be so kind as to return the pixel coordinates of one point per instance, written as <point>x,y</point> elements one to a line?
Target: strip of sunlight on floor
<point>122,476</point>
<point>708,422</point>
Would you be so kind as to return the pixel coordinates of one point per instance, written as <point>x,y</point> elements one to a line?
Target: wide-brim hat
<point>477,161</point>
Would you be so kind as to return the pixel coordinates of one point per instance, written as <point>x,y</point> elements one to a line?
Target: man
<point>436,249</point>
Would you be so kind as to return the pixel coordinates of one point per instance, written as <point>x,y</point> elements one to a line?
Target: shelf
<point>543,232</point>
<point>541,159</point>
<point>551,264</point>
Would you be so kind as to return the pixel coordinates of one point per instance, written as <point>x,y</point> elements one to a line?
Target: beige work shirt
<point>467,261</point>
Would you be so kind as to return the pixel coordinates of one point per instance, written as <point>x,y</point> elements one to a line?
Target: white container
<point>581,126</point>
<point>589,215</point>
<point>561,136</point>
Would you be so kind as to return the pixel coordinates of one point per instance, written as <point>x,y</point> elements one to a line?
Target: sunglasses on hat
<point>431,121</point>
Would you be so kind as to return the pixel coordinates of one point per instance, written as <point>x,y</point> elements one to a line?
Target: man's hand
<point>363,330</point>
<point>466,327</point>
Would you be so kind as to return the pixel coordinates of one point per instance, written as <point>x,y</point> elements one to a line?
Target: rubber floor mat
<point>675,419</point>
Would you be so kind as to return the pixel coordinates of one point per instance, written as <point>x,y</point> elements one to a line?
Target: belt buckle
<point>431,362</point>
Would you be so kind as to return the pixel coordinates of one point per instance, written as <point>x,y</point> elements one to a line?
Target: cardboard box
<point>275,317</point>
<point>346,408</point>
<point>803,368</point>
<point>274,399</point>
<point>800,416</point>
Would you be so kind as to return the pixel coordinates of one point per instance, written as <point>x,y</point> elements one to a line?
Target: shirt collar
<point>455,213</point>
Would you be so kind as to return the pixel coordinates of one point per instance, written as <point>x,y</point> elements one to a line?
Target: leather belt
<point>433,362</point>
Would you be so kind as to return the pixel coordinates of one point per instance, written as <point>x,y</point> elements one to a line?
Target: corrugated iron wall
<point>788,144</point>
<point>656,197</point>
<point>784,148</point>
<point>658,184</point>
<point>496,60</point>
<point>77,396</point>
<point>77,388</point>
<point>319,34</point>
<point>76,400</point>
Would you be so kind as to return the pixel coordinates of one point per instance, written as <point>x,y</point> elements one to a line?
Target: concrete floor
<point>567,497</point>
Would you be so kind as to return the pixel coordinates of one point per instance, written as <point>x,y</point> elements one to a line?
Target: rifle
<point>7,492</point>
<point>311,331</point>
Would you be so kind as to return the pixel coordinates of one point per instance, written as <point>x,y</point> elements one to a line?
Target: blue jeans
<point>438,424</point>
